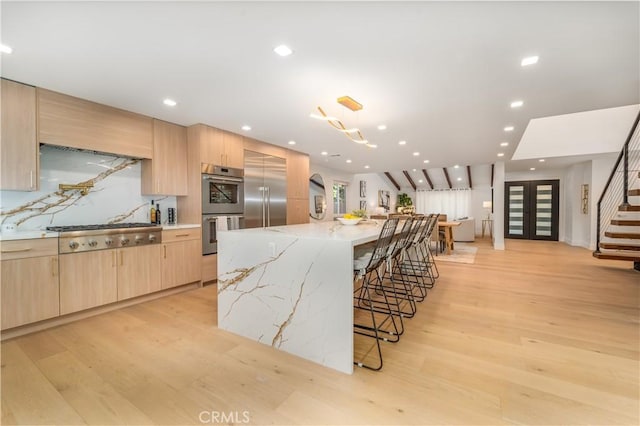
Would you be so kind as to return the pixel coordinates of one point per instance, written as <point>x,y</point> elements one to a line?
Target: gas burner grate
<point>72,228</point>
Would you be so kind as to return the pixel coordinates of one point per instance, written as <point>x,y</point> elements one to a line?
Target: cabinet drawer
<point>175,235</point>
<point>22,249</point>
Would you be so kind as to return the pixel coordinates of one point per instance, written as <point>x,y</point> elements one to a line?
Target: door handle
<point>165,251</point>
<point>268,206</point>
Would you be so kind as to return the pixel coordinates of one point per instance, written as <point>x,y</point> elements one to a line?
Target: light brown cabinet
<point>297,188</point>
<point>182,253</point>
<point>29,282</point>
<point>297,175</point>
<point>209,267</point>
<point>217,147</point>
<point>67,121</point>
<point>166,173</point>
<point>297,211</point>
<point>88,280</point>
<point>139,271</point>
<point>18,143</point>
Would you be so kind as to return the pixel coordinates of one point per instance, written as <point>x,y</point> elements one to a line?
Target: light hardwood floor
<point>541,333</point>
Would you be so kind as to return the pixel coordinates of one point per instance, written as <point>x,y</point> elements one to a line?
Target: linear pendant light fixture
<point>353,134</point>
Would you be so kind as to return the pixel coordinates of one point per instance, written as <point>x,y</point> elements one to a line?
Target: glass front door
<point>532,209</point>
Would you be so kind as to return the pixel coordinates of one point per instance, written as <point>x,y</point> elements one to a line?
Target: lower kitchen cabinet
<point>138,271</point>
<point>88,280</point>
<point>30,290</point>
<point>182,253</point>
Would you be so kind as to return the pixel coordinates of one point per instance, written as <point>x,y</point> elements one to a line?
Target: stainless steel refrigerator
<point>265,190</point>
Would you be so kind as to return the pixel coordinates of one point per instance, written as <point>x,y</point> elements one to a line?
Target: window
<point>339,198</point>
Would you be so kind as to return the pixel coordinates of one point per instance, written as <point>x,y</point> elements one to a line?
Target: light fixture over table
<point>353,134</point>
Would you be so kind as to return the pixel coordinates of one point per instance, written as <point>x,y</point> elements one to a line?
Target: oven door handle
<point>223,179</point>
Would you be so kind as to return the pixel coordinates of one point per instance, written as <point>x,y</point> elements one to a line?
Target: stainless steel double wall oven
<point>222,199</point>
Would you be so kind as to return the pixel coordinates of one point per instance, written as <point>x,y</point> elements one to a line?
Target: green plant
<point>404,200</point>
<point>359,213</point>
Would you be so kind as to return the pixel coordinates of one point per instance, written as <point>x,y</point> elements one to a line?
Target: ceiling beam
<point>492,166</point>
<point>393,181</point>
<point>411,182</point>
<point>469,176</point>
<point>446,174</point>
<point>426,175</point>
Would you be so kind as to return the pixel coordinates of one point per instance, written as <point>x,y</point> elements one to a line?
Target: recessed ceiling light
<point>415,154</point>
<point>420,181</point>
<point>348,161</point>
<point>324,153</point>
<point>459,179</point>
<point>414,170</point>
<point>283,50</point>
<point>169,102</point>
<point>402,143</point>
<point>292,142</point>
<point>246,128</point>
<point>504,144</point>
<point>382,127</point>
<point>425,161</point>
<point>517,104</point>
<point>508,129</point>
<point>456,166</point>
<point>532,168</point>
<point>5,49</point>
<point>530,60</point>
<point>366,167</point>
<point>501,154</point>
<point>541,160</point>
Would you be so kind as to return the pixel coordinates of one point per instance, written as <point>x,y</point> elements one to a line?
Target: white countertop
<point>27,235</point>
<point>180,226</point>
<point>333,230</point>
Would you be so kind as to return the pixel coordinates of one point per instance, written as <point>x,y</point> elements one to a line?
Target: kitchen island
<point>291,287</point>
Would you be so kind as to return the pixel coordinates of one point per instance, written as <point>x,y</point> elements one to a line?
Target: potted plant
<point>405,204</point>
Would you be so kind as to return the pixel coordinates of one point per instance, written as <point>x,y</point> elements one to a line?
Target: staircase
<point>618,220</point>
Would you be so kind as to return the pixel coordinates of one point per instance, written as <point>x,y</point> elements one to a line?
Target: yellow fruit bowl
<point>350,221</point>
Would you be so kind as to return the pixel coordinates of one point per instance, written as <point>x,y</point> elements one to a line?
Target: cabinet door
<point>297,211</point>
<point>87,280</point>
<point>166,173</point>
<point>18,144</point>
<point>233,154</point>
<point>210,141</point>
<point>181,263</point>
<point>30,290</point>
<point>67,121</point>
<point>297,175</point>
<point>138,271</point>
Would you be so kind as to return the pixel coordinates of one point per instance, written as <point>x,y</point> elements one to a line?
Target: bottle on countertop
<point>158,218</point>
<point>152,213</point>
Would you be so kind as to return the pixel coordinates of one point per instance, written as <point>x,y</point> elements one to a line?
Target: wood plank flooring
<point>541,334</point>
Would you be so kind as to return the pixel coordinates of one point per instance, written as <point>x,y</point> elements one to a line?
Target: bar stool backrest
<point>382,245</point>
<point>423,231</point>
<point>402,238</point>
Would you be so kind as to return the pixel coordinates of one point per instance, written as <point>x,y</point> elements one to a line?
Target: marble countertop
<point>27,235</point>
<point>180,226</point>
<point>331,230</point>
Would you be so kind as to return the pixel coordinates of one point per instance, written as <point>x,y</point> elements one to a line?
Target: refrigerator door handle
<point>268,206</point>
<point>262,189</point>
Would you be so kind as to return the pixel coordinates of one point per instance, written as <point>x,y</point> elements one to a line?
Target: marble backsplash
<point>114,198</point>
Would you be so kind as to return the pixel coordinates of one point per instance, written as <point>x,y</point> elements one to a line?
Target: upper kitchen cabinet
<point>18,145</point>
<point>67,121</point>
<point>166,174</point>
<point>218,147</point>
<point>297,175</point>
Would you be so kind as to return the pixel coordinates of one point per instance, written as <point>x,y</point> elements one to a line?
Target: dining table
<point>448,234</point>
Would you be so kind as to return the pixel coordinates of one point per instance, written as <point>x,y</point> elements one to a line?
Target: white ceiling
<point>440,75</point>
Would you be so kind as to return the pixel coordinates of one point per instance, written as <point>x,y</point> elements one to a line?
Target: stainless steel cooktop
<point>81,238</point>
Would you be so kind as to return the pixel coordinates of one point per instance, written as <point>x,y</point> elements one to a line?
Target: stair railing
<point>619,181</point>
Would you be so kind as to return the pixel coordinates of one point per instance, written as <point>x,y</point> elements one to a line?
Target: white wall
<point>577,229</point>
<point>498,205</point>
<point>600,170</point>
<point>375,182</point>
